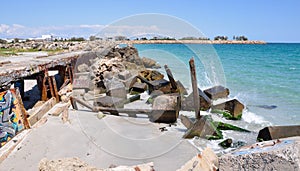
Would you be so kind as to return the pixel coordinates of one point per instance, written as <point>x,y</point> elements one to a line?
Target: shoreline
<point>191,42</point>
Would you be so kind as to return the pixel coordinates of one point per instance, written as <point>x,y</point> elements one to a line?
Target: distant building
<point>47,37</point>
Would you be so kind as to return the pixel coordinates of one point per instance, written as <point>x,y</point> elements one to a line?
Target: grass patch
<point>13,51</point>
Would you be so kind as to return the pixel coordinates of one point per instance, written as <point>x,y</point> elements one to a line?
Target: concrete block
<point>217,92</point>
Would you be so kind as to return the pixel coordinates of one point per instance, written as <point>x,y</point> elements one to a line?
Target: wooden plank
<point>171,78</point>
<point>55,89</point>
<point>80,101</point>
<point>38,114</point>
<point>58,109</point>
<point>195,88</point>
<point>23,110</point>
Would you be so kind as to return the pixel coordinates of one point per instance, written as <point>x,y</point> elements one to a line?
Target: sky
<point>269,20</point>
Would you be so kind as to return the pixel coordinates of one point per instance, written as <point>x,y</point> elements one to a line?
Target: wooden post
<point>171,78</point>
<point>73,103</point>
<point>44,89</point>
<point>195,89</point>
<point>55,89</point>
<point>23,110</point>
<point>51,86</point>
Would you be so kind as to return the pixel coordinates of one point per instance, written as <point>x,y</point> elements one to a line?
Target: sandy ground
<point>102,142</point>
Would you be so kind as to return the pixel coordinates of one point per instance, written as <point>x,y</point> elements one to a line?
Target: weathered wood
<point>59,108</point>
<point>73,103</point>
<point>44,89</point>
<point>51,86</point>
<point>80,101</point>
<point>38,114</point>
<point>195,88</point>
<point>23,110</point>
<point>171,78</point>
<point>55,89</point>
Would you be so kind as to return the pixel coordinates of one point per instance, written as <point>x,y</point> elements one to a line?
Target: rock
<point>188,102</point>
<point>165,108</point>
<point>226,143</point>
<point>108,75</point>
<point>217,92</point>
<point>83,68</point>
<point>162,85</point>
<point>78,92</point>
<point>75,164</point>
<point>151,75</point>
<point>83,80</point>
<point>275,132</point>
<point>88,96</point>
<point>124,75</point>
<point>150,63</point>
<point>282,154</point>
<point>116,88</point>
<point>108,101</point>
<point>139,87</point>
<point>64,164</point>
<point>206,161</point>
<point>234,107</point>
<point>156,93</point>
<point>127,82</point>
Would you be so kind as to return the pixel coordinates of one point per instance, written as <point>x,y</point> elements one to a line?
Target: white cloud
<point>20,31</point>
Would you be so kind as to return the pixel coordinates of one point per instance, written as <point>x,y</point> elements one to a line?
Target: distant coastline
<point>192,42</point>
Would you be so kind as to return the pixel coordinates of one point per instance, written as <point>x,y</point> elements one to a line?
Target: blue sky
<point>270,20</point>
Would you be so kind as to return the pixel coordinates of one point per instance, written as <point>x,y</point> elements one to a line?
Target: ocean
<point>266,78</point>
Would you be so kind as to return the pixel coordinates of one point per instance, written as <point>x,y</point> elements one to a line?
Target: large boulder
<point>151,75</point>
<point>150,63</point>
<point>115,88</point>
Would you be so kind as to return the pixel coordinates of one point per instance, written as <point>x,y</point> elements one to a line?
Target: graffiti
<point>10,117</point>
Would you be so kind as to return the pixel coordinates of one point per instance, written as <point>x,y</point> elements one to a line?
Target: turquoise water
<point>255,74</point>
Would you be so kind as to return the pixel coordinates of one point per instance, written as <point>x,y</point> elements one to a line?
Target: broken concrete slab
<point>139,87</point>
<point>116,88</point>
<point>282,154</point>
<point>203,128</point>
<point>275,132</point>
<point>234,107</point>
<point>167,107</point>
<point>188,102</point>
<point>217,92</point>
